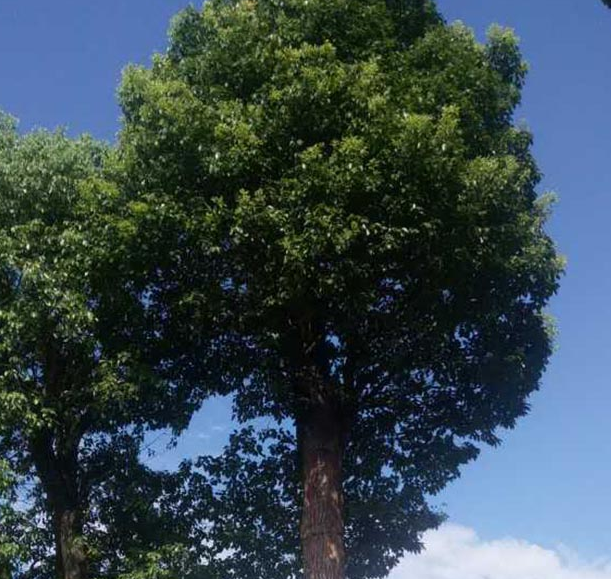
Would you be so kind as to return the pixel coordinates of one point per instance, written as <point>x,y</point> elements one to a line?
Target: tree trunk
<point>58,474</point>
<point>322,525</point>
<point>71,560</point>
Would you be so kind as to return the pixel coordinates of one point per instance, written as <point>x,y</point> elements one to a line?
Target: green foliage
<point>74,394</point>
<point>166,563</point>
<point>10,549</point>
<point>53,366</point>
<point>334,184</point>
<point>140,524</point>
<point>353,196</point>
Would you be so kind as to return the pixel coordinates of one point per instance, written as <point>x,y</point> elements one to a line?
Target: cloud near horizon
<point>456,552</point>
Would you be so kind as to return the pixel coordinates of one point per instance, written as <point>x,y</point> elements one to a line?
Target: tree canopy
<point>363,243</point>
<point>74,397</point>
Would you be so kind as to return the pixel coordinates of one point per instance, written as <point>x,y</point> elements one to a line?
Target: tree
<point>73,396</point>
<point>361,224</point>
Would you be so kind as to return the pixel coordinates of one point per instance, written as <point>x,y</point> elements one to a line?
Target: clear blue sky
<point>60,63</point>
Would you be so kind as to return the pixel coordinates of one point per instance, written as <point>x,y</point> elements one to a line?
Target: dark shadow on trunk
<point>56,465</point>
<point>71,560</point>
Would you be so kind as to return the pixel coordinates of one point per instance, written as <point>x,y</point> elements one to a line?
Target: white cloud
<point>455,552</point>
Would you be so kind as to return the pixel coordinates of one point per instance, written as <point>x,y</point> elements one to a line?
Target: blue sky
<point>60,63</point>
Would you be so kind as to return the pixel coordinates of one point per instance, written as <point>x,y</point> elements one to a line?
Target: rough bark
<point>322,524</point>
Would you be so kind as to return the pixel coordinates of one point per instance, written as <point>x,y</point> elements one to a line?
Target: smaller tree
<point>73,395</point>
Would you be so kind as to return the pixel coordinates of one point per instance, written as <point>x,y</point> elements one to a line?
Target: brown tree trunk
<point>71,559</point>
<point>322,524</point>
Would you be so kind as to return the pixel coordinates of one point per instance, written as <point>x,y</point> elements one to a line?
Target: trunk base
<point>71,556</point>
<point>322,524</point>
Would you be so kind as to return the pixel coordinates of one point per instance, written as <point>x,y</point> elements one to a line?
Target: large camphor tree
<point>361,228</point>
<point>73,394</point>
